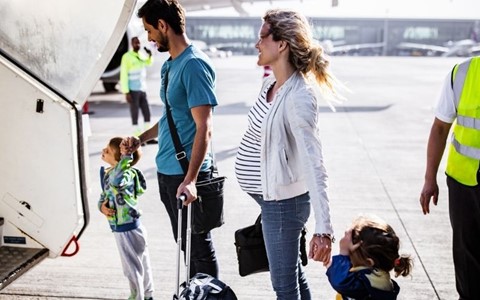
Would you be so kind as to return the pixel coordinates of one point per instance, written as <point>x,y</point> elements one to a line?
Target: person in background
<point>133,84</point>
<point>460,102</point>
<point>121,186</point>
<point>279,161</point>
<point>368,252</point>
<point>188,86</point>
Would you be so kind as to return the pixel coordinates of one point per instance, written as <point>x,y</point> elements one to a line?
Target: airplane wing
<point>357,49</point>
<point>417,49</point>
<point>454,48</point>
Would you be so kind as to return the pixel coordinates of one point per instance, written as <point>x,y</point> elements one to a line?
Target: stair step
<point>15,261</point>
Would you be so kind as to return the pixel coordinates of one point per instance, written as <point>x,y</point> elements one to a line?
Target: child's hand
<point>109,212</point>
<point>346,244</point>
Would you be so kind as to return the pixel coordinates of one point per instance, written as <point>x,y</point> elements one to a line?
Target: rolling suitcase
<point>201,286</point>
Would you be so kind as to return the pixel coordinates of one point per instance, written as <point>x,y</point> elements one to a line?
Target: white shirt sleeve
<point>445,110</point>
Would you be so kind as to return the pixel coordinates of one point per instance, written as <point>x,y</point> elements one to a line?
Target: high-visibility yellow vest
<point>132,72</point>
<point>464,156</point>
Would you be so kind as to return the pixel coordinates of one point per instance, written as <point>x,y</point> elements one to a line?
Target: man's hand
<point>129,145</point>
<point>189,190</point>
<point>125,148</point>
<point>320,249</point>
<point>429,191</point>
<point>149,52</point>
<point>128,97</point>
<point>436,145</point>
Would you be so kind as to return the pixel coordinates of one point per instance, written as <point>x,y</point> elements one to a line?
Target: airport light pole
<point>385,32</point>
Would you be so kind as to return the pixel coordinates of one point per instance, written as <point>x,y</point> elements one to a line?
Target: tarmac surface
<point>375,152</point>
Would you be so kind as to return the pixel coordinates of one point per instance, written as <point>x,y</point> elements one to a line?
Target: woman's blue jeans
<point>282,223</point>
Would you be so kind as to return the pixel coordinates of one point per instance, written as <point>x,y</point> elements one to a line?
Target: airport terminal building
<point>350,36</point>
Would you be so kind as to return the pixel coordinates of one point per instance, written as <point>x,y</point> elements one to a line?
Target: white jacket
<point>291,155</point>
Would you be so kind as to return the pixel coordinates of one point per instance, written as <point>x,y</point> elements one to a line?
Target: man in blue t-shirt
<point>188,84</point>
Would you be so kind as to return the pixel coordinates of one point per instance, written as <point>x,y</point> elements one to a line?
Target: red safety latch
<point>75,251</point>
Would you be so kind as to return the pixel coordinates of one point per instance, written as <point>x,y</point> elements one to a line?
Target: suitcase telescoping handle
<point>188,234</point>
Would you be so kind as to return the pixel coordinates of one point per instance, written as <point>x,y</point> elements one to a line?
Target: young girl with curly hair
<point>368,252</point>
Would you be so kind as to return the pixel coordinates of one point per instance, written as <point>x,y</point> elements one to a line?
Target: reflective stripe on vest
<point>464,155</point>
<point>468,122</point>
<point>465,150</point>
<point>460,73</point>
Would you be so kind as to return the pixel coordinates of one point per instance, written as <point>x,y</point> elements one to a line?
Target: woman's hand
<point>320,249</point>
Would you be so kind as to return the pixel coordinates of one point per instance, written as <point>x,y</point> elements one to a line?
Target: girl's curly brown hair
<point>380,244</point>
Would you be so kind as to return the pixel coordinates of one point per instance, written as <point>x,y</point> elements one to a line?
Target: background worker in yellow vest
<point>133,84</point>
<point>459,103</point>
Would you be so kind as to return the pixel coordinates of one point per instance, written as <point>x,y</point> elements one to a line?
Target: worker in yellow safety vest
<point>133,84</point>
<point>459,104</point>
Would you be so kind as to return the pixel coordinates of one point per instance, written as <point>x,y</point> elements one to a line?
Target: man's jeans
<point>203,258</point>
<point>282,223</point>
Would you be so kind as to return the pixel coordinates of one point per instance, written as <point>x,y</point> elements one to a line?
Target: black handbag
<point>207,210</point>
<point>251,253</point>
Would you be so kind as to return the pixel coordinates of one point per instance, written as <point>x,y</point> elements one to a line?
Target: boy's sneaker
<point>151,298</point>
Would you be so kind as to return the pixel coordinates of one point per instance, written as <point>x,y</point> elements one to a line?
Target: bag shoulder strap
<point>258,224</point>
<point>180,153</point>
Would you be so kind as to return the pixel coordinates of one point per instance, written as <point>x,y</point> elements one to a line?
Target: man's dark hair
<point>168,10</point>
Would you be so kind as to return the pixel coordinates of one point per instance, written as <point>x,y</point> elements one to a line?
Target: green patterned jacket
<point>121,186</point>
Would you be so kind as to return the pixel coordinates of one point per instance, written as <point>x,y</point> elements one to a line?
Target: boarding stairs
<point>15,260</point>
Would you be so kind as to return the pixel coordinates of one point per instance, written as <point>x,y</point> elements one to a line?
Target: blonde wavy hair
<point>306,54</point>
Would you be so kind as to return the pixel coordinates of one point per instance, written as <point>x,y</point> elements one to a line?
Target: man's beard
<point>163,48</point>
<point>164,45</point>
